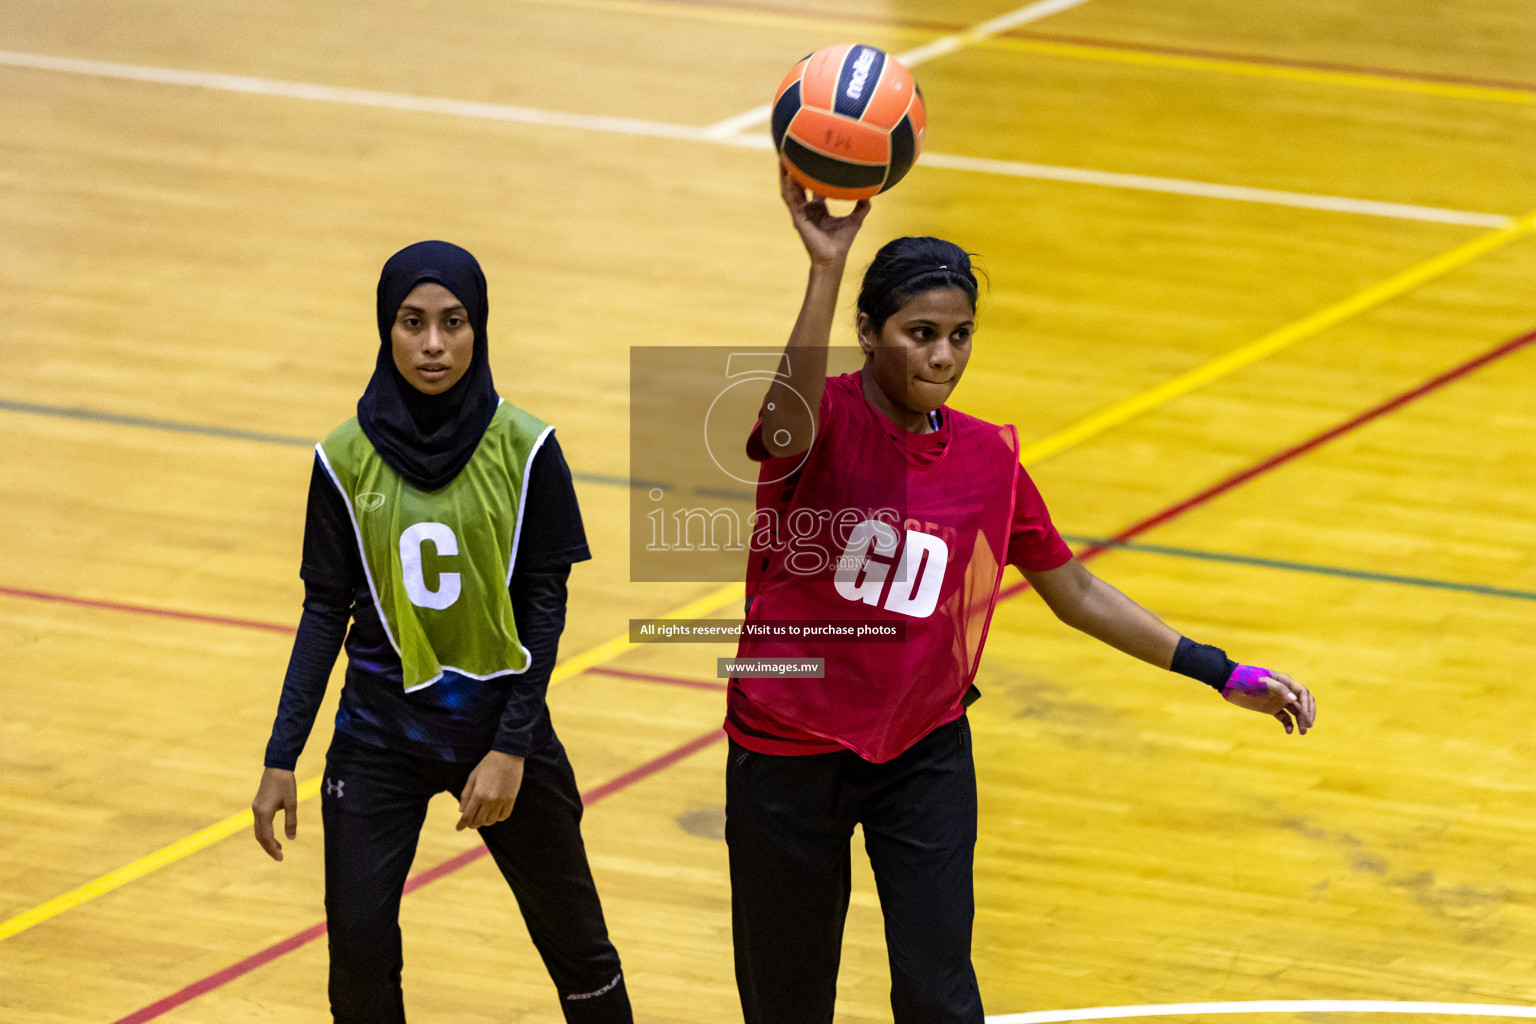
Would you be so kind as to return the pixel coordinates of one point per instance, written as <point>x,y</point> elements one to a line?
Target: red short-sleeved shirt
<point>1033,545</point>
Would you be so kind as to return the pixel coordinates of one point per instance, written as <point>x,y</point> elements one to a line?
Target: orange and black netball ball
<point>848,121</point>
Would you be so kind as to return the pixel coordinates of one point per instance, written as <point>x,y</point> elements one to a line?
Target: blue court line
<point>1307,567</point>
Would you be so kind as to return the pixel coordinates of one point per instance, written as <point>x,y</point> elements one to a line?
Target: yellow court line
<point>1252,69</point>
<point>733,593</point>
<point>189,845</point>
<point>143,866</point>
<point>1076,51</point>
<point>1275,341</point>
<point>1075,434</point>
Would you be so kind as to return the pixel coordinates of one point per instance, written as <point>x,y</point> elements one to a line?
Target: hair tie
<point>919,273</point>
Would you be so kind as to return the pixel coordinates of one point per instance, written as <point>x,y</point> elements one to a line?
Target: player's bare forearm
<point>789,410</point>
<point>1087,603</point>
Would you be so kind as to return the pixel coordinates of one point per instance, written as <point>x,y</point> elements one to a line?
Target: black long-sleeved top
<point>456,718</point>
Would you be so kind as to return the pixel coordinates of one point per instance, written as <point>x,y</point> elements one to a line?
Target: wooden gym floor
<point>1246,260</point>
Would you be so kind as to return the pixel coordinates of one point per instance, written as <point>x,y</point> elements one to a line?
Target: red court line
<point>651,767</point>
<point>432,874</point>
<point>1278,62</point>
<point>941,27</point>
<point>228,974</point>
<point>937,27</point>
<point>273,627</point>
<point>671,757</point>
<point>144,609</point>
<point>1157,519</point>
<point>1391,405</point>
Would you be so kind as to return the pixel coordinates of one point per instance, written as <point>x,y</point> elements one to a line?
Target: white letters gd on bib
<point>446,543</point>
<point>914,591</point>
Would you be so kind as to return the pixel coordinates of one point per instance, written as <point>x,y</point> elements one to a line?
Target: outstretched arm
<point>789,411</point>
<point>1085,602</point>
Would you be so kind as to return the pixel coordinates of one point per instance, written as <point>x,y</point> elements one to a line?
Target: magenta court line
<point>1391,405</point>
<point>303,938</point>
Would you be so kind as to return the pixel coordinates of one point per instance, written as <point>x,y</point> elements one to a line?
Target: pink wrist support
<point>1247,679</point>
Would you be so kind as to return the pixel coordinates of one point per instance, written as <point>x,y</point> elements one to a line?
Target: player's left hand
<point>1275,694</point>
<point>491,791</point>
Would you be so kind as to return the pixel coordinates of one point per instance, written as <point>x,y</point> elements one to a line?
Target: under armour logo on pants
<point>333,787</point>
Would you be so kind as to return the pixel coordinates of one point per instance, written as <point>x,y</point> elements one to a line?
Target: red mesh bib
<point>874,533</point>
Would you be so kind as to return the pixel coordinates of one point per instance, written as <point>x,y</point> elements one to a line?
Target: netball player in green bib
<point>442,524</point>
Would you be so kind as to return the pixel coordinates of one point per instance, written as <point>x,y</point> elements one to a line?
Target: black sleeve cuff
<point>1210,665</point>
<point>525,739</point>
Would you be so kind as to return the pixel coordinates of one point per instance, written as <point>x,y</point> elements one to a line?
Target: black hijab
<point>428,438</point>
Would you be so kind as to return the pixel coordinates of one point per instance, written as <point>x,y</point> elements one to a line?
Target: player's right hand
<point>278,792</point>
<point>827,238</point>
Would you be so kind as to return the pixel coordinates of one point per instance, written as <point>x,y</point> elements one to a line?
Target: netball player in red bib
<point>880,503</point>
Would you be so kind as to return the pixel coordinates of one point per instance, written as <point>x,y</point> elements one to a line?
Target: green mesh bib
<point>439,562</point>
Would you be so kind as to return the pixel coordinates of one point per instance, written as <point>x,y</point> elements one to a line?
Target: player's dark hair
<point>905,267</point>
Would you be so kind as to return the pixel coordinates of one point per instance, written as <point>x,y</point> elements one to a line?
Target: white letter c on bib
<point>446,543</point>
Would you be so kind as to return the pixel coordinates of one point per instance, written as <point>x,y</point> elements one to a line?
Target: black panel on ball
<point>830,170</point>
<point>857,80</point>
<point>903,152</point>
<point>784,112</point>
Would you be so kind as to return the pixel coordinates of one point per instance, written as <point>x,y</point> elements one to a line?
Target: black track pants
<point>373,805</point>
<point>789,821</point>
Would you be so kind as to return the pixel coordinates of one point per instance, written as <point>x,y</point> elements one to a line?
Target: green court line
<point>205,430</point>
<point>1306,567</point>
<point>179,427</point>
<point>174,426</point>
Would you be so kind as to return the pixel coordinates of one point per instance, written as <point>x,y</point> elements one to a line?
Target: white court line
<point>356,97</point>
<point>692,133</point>
<point>721,130</point>
<point>1181,187</point>
<point>1269,1006</point>
<point>1002,23</point>
<point>1238,193</point>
